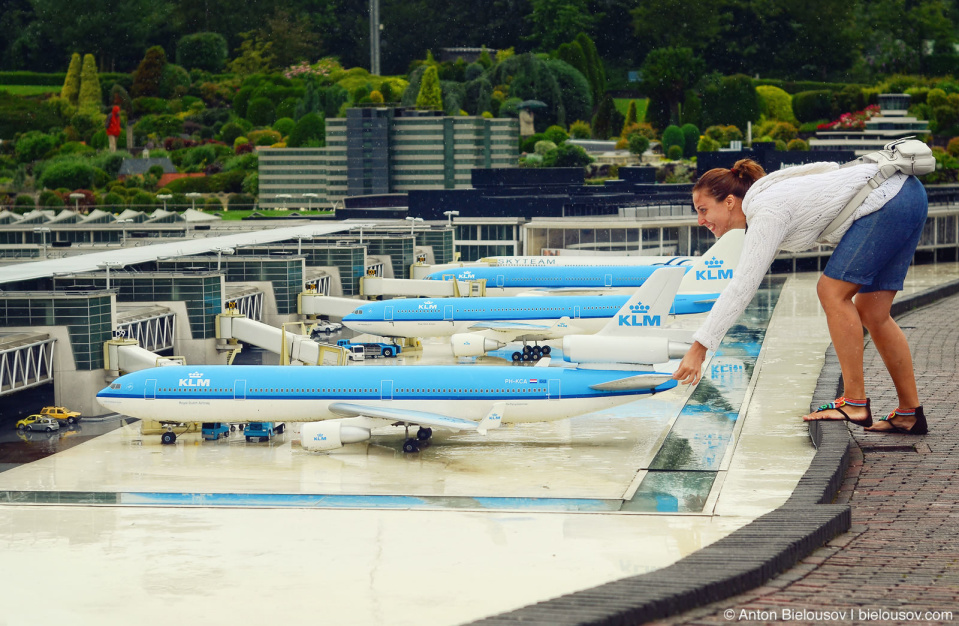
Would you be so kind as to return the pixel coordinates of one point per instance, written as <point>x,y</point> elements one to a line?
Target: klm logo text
<point>638,316</point>
<point>714,271</point>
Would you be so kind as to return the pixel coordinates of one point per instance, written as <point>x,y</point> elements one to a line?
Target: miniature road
<point>375,558</point>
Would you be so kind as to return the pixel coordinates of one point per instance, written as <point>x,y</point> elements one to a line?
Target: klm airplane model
<point>460,398</point>
<point>601,278</point>
<point>478,325</point>
<point>341,404</point>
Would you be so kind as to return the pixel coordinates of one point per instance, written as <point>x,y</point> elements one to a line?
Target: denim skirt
<point>877,249</point>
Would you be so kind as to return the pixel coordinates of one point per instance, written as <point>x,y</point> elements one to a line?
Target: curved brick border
<point>746,558</point>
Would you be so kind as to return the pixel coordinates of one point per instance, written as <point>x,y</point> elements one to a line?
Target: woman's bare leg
<point>845,330</point>
<point>893,347</point>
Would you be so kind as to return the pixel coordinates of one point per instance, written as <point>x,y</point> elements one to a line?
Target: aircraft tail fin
<point>649,306</point>
<point>711,272</point>
<point>492,419</point>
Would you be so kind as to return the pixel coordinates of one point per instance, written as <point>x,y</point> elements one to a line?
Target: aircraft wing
<point>640,381</point>
<point>509,326</point>
<point>422,418</point>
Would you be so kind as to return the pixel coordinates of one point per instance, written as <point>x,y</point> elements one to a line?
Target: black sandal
<point>920,427</point>
<point>836,405</point>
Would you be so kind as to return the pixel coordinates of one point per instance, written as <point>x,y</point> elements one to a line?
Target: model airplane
<point>602,277</point>
<point>459,398</point>
<point>472,398</point>
<point>478,325</point>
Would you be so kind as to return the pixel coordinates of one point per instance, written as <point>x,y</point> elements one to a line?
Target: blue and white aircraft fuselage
<point>474,398</point>
<point>531,318</point>
<point>710,272</point>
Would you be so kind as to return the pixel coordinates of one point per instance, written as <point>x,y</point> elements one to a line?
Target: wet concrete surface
<point>441,563</point>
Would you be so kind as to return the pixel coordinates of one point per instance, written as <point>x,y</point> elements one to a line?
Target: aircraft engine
<point>329,435</point>
<point>636,350</point>
<point>472,344</point>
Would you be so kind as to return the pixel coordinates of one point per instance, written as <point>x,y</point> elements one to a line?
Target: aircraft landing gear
<point>422,437</point>
<point>531,353</point>
<point>168,438</point>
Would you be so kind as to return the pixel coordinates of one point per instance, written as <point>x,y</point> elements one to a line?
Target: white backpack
<point>907,155</point>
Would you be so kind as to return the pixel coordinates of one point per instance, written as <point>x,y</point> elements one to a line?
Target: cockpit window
<point>358,312</point>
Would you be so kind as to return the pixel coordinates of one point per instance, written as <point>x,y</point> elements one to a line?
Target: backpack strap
<point>881,176</point>
<point>890,161</point>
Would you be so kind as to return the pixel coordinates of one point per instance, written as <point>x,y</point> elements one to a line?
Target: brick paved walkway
<point>902,552</point>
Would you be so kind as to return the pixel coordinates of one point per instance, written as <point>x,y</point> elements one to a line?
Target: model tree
<point>430,96</point>
<point>90,95</point>
<point>71,86</point>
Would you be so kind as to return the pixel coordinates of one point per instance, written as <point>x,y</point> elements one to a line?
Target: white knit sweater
<point>788,210</point>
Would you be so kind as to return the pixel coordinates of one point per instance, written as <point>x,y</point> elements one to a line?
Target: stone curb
<point>748,557</point>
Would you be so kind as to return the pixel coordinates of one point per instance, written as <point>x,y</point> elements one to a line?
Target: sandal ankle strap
<point>844,401</point>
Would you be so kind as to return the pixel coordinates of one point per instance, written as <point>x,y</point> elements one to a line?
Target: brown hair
<point>720,182</point>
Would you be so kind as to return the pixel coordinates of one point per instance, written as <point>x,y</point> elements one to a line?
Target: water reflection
<point>682,472</point>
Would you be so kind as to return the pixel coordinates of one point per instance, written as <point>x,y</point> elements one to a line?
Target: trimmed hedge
<point>32,78</point>
<point>809,106</point>
<point>19,115</point>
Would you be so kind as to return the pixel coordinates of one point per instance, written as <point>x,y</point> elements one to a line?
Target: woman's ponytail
<point>720,182</point>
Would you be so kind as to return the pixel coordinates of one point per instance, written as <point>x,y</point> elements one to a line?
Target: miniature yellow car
<point>61,414</point>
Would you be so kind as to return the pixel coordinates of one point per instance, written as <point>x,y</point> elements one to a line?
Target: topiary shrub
<point>284,126</point>
<point>707,144</point>
<point>34,145</point>
<point>673,136</point>
<point>287,108</point>
<point>174,81</point>
<point>775,103</point>
<point>953,147</point>
<point>430,95</point>
<point>556,134</point>
<point>809,106</point>
<point>607,122</point>
<point>204,51</point>
<point>797,145</point>
<point>528,144</point>
<point>567,155</point>
<point>90,98</point>
<point>690,139</point>
<point>637,144</point>
<point>49,199</point>
<point>146,79</point>
<point>579,130</point>
<point>674,153</point>
<point>24,202</point>
<point>543,147</point>
<point>230,132</point>
<point>264,137</point>
<point>309,131</point>
<point>196,159</point>
<point>71,84</point>
<point>260,112</point>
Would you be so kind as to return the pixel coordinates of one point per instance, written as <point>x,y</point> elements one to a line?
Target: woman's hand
<point>691,367</point>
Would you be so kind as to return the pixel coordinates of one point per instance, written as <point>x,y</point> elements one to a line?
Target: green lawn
<point>622,105</point>
<point>29,90</point>
<point>240,214</point>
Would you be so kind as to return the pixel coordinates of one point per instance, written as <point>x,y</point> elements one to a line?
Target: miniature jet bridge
<point>232,328</point>
<point>26,360</point>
